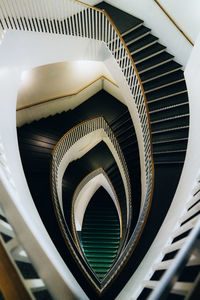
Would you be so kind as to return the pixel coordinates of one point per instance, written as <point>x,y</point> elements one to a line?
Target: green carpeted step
<point>100,235</point>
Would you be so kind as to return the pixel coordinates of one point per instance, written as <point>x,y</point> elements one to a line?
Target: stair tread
<point>136,34</point>
<point>149,51</point>
<point>122,20</point>
<point>154,61</point>
<point>171,100</point>
<point>164,80</point>
<point>160,71</point>
<point>142,43</point>
<point>166,91</point>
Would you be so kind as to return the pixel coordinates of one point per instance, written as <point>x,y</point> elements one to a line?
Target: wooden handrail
<point>67,95</point>
<point>172,20</point>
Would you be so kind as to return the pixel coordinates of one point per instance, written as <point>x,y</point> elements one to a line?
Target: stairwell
<point>166,94</point>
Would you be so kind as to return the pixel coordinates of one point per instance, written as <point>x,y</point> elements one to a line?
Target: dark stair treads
<point>148,52</point>
<point>170,146</point>
<point>153,62</point>
<point>170,123</point>
<point>122,117</point>
<point>119,126</point>
<point>170,132</point>
<point>124,21</point>
<point>177,157</point>
<point>136,34</point>
<point>160,71</point>
<point>180,98</point>
<point>163,81</point>
<point>142,43</point>
<point>171,111</point>
<point>167,91</point>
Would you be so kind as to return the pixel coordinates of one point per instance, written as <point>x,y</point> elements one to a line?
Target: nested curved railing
<point>58,156</point>
<point>87,179</point>
<point>75,134</point>
<point>76,18</point>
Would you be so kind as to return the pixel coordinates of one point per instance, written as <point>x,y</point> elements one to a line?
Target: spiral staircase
<point>166,94</point>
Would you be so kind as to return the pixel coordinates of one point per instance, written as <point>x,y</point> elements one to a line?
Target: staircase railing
<point>78,19</point>
<point>58,155</point>
<point>75,18</point>
<point>74,135</point>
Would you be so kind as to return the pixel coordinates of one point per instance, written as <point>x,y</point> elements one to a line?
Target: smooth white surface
<point>59,79</point>
<point>186,14</point>
<point>161,26</point>
<point>185,188</point>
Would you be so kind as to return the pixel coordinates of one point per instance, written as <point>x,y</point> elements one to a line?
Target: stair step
<point>169,139</point>
<point>166,92</point>
<point>171,111</point>
<point>163,81</point>
<point>170,158</point>
<point>100,255</point>
<point>148,52</point>
<point>153,62</point>
<point>136,34</point>
<point>180,98</point>
<point>142,43</point>
<point>174,130</point>
<point>160,71</point>
<point>170,123</point>
<point>101,251</point>
<point>171,146</point>
<point>124,21</point>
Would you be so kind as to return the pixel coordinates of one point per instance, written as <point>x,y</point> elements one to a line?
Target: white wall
<point>186,14</point>
<point>161,26</point>
<point>57,80</point>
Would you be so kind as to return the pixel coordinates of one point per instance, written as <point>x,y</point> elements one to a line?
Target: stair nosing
<point>170,118</point>
<point>157,65</point>
<point>144,47</point>
<point>170,129</point>
<point>131,29</point>
<point>165,85</point>
<point>161,75</point>
<point>168,151</point>
<point>150,56</point>
<point>167,96</point>
<point>168,107</point>
<point>170,141</point>
<point>138,38</point>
